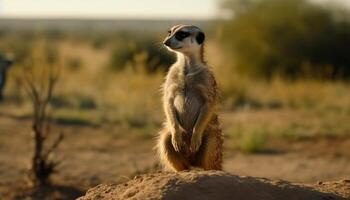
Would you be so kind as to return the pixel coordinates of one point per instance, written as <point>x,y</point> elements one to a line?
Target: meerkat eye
<point>169,32</point>
<point>181,35</point>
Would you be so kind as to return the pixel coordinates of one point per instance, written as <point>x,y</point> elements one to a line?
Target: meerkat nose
<point>166,43</point>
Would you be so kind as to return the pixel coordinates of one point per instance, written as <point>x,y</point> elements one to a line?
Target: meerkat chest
<point>187,97</point>
<point>188,101</point>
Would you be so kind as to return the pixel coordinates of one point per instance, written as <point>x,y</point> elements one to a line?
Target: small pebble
<point>137,176</point>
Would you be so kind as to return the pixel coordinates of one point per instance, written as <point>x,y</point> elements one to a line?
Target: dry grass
<point>110,120</point>
<point>91,94</point>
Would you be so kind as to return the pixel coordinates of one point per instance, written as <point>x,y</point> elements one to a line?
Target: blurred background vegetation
<point>290,38</point>
<point>283,68</point>
<point>266,54</point>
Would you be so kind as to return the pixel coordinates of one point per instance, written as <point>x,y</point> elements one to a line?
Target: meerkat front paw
<point>196,142</point>
<point>177,141</point>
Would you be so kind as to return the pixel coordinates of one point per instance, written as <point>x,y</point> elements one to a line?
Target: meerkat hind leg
<point>171,159</point>
<point>209,156</point>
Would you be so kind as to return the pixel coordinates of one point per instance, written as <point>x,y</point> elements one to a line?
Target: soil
<point>193,185</point>
<point>91,155</point>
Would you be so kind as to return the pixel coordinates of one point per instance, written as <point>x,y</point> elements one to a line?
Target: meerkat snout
<point>184,39</point>
<point>166,43</point>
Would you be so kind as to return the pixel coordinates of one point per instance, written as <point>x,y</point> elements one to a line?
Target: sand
<point>216,185</point>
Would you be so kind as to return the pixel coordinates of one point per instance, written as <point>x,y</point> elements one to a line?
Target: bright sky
<point>109,8</point>
<point>196,9</point>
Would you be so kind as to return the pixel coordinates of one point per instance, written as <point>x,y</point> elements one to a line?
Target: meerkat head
<point>185,39</point>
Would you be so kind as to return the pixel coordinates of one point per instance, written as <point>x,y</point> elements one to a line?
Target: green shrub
<point>253,142</point>
<point>86,102</point>
<point>292,38</point>
<point>247,139</point>
<point>74,63</point>
<point>126,50</point>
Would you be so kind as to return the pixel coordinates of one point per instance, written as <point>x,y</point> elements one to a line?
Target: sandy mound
<point>215,185</point>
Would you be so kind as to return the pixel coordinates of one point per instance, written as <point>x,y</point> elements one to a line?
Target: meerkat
<point>191,136</point>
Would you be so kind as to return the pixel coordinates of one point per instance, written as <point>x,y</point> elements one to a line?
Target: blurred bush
<point>128,47</point>
<point>74,63</point>
<point>253,140</point>
<point>289,38</point>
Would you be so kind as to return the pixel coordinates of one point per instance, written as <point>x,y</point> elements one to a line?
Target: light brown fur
<point>191,136</point>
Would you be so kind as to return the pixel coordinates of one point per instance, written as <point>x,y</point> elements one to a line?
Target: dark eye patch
<point>180,35</point>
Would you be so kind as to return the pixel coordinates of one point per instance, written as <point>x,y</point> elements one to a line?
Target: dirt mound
<point>215,185</point>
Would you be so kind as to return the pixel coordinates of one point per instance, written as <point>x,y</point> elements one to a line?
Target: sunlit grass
<point>253,110</point>
<point>247,141</point>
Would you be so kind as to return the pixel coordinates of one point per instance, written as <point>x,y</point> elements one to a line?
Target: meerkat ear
<point>200,37</point>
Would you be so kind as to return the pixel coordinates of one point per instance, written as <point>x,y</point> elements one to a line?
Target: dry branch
<point>39,81</point>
